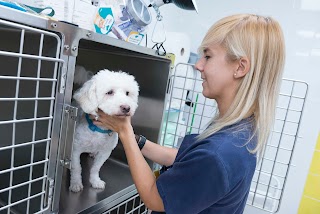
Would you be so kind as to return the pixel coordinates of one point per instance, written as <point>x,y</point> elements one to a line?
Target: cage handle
<point>68,130</point>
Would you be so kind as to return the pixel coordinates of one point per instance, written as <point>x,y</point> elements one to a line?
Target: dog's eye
<point>110,92</point>
<point>127,93</point>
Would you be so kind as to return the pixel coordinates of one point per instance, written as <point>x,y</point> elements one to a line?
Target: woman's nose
<point>199,65</point>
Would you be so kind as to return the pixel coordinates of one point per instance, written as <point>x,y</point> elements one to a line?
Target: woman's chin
<point>205,94</point>
<point>208,95</point>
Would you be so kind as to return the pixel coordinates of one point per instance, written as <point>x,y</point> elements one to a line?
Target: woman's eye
<point>127,93</point>
<point>110,92</point>
<point>207,57</point>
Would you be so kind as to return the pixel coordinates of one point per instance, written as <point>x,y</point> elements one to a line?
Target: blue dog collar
<point>95,128</point>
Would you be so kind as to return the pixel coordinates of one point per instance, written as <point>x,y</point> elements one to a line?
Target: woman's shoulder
<point>235,140</point>
<point>239,134</point>
<point>233,145</point>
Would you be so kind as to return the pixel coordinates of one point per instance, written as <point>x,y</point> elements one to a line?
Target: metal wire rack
<point>133,205</point>
<point>29,60</point>
<point>188,112</point>
<point>272,171</point>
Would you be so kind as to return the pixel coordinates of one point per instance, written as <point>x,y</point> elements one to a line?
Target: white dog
<point>115,93</point>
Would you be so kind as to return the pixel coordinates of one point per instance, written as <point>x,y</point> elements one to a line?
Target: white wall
<point>300,20</point>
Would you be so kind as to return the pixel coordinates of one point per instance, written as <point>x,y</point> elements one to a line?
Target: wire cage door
<point>189,112</point>
<point>133,205</point>
<point>29,65</point>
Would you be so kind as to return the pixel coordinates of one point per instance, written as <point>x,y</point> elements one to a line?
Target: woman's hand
<point>119,124</point>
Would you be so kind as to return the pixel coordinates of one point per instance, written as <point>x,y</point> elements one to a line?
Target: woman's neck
<point>224,104</point>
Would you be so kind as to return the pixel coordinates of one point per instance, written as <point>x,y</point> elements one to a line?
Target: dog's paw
<point>98,184</point>
<point>76,187</point>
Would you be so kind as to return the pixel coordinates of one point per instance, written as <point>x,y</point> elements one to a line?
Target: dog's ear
<point>86,96</point>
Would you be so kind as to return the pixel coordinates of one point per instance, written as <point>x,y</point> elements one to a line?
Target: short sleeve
<point>194,183</point>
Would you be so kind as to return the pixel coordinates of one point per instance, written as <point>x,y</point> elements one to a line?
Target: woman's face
<point>217,73</point>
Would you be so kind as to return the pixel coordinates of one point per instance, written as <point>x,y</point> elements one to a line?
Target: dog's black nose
<point>125,108</point>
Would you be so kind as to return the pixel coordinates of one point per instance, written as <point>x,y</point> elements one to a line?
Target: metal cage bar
<point>132,205</point>
<point>276,196</point>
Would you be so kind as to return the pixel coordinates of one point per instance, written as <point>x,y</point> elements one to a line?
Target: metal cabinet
<point>38,58</point>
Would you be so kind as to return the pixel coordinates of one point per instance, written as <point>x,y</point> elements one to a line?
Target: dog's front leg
<point>99,159</point>
<point>75,173</point>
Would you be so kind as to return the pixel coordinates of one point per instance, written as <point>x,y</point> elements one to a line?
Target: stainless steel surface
<point>19,17</point>
<point>72,35</point>
<point>68,81</point>
<point>29,122</point>
<point>189,112</point>
<point>122,196</point>
<point>114,172</point>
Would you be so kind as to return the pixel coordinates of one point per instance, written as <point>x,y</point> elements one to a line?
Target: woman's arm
<point>159,154</point>
<point>142,175</point>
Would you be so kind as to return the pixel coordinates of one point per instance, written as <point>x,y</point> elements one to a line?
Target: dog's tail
<point>81,75</point>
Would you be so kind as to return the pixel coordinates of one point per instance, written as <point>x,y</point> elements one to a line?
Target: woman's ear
<point>243,67</point>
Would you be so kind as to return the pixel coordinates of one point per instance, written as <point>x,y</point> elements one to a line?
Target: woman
<point>241,67</point>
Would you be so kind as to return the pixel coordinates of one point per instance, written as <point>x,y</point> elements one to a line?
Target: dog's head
<point>115,93</point>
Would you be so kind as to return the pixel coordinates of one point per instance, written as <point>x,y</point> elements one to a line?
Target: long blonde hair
<point>261,40</point>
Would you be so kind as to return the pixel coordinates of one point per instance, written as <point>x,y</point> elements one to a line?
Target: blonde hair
<point>261,40</point>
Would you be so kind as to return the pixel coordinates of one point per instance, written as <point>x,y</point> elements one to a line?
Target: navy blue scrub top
<point>212,175</point>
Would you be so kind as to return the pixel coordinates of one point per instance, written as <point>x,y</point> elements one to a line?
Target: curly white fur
<point>115,93</point>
